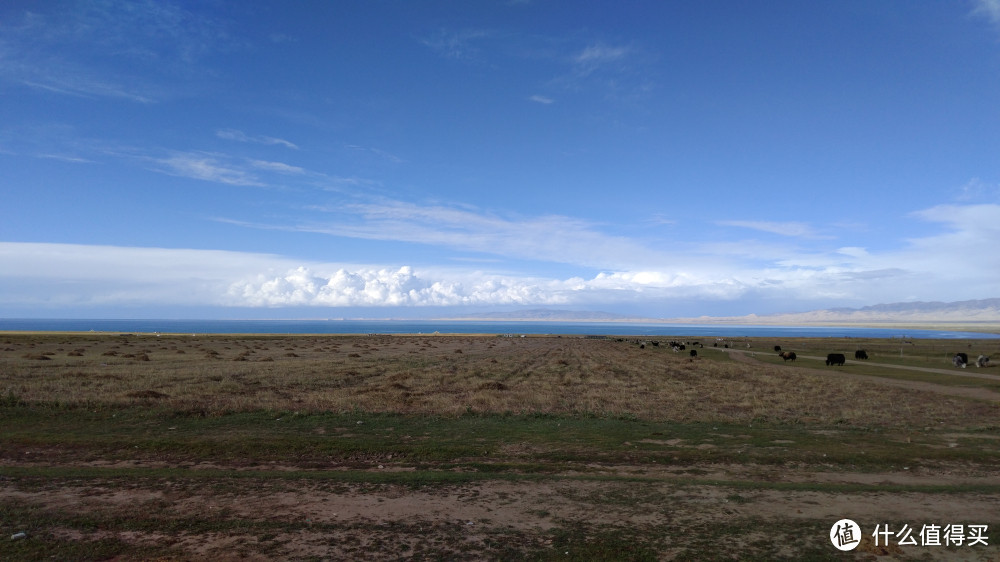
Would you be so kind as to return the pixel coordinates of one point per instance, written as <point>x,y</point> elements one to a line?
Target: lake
<point>173,326</point>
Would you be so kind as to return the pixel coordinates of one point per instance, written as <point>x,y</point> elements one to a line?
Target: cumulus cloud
<point>405,286</point>
<point>386,287</point>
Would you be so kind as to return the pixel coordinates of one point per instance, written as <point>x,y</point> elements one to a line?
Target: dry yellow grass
<point>447,375</point>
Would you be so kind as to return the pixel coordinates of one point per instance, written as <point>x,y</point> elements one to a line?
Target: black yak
<point>960,359</point>
<point>787,355</point>
<point>835,359</point>
<point>861,354</point>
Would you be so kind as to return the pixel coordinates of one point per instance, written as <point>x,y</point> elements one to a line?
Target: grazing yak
<point>960,360</point>
<point>787,355</point>
<point>983,361</point>
<point>861,354</point>
<point>694,353</point>
<point>835,359</point>
<point>777,348</point>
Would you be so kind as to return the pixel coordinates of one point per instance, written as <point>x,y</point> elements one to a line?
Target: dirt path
<point>952,372</point>
<point>963,392</point>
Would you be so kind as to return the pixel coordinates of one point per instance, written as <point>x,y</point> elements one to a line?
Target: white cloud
<point>598,57</point>
<point>541,99</point>
<point>111,49</point>
<point>386,287</point>
<point>37,273</point>
<point>969,243</point>
<point>381,154</point>
<point>65,158</point>
<point>279,167</point>
<point>456,44</point>
<point>550,238</point>
<point>206,166</point>
<point>853,252</point>
<point>240,136</point>
<point>990,9</point>
<point>958,263</point>
<point>599,54</point>
<point>73,83</point>
<point>793,229</point>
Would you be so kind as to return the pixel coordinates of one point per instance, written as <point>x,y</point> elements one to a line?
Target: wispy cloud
<point>551,238</point>
<point>978,190</point>
<point>459,45</point>
<point>72,82</point>
<point>114,49</point>
<point>793,229</point>
<point>381,154</point>
<point>279,167</point>
<point>989,9</point>
<point>971,230</point>
<point>541,99</point>
<point>207,167</point>
<point>240,136</point>
<point>279,38</point>
<point>65,158</point>
<point>596,55</point>
<point>599,57</point>
<point>618,72</point>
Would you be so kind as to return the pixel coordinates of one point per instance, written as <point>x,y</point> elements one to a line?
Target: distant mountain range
<point>903,313</point>
<point>550,315</point>
<point>960,312</point>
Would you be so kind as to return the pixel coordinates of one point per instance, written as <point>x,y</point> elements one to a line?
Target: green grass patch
<point>497,443</point>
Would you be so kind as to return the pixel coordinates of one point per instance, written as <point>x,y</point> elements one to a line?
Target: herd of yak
<point>959,360</point>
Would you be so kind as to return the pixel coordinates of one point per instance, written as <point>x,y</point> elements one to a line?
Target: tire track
<point>962,392</point>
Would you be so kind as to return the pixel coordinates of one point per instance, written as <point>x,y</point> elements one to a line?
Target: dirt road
<point>963,392</point>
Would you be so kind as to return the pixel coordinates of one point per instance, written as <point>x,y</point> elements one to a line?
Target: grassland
<point>480,447</point>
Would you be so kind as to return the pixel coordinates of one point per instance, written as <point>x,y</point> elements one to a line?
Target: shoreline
<point>730,328</point>
<point>992,327</point>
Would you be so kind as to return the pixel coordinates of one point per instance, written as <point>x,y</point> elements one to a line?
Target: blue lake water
<point>467,327</point>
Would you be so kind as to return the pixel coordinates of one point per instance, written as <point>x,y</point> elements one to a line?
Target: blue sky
<point>422,159</point>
